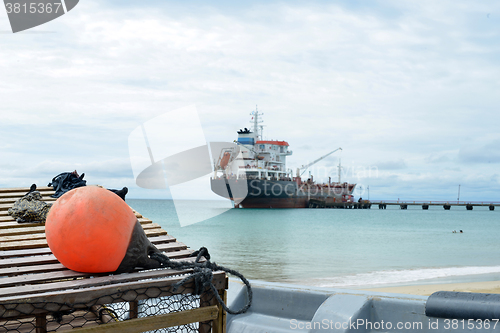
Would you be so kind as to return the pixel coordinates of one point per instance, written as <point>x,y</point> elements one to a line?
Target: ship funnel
<point>246,137</point>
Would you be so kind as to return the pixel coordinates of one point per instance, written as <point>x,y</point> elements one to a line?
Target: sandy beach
<point>426,290</point>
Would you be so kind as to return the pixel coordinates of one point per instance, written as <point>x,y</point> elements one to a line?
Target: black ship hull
<point>263,193</point>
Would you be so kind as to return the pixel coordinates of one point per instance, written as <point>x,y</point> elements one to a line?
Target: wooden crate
<point>35,289</point>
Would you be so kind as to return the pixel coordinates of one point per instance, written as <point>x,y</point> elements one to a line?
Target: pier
<point>382,204</point>
<point>318,203</point>
<point>469,205</point>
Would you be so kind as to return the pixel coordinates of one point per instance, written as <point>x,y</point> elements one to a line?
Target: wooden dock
<point>38,294</point>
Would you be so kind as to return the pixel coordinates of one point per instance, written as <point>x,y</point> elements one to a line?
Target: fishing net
<point>116,307</point>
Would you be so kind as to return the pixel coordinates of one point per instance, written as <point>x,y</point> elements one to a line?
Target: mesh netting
<point>120,306</point>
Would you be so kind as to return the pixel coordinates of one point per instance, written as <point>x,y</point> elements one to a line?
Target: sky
<point>408,89</point>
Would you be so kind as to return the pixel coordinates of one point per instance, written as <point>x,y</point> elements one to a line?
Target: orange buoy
<point>89,229</point>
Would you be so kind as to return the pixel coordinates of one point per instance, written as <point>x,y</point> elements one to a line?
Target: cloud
<point>413,84</point>
<point>485,153</point>
<point>437,158</point>
<point>97,172</point>
<point>391,165</point>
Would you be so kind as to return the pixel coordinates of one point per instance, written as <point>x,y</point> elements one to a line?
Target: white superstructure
<point>259,159</point>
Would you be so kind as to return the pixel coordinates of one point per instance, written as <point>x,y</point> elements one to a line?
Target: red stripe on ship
<point>273,142</point>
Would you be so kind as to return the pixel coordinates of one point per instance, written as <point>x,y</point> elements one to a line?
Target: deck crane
<point>304,167</point>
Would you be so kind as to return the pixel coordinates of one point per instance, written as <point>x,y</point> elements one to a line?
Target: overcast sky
<point>408,89</point>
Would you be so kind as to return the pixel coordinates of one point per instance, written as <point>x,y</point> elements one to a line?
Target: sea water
<point>343,247</point>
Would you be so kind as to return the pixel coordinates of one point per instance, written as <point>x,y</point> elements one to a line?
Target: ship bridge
<point>256,158</point>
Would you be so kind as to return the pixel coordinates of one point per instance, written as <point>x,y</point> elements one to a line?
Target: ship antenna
<point>340,168</point>
<point>256,122</point>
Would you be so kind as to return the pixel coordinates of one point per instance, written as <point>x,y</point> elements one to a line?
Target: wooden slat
<point>44,193</point>
<point>12,200</point>
<point>162,239</point>
<point>137,214</point>
<point>150,225</point>
<point>156,322</point>
<point>13,271</point>
<point>150,232</point>
<point>128,291</point>
<point>22,237</point>
<point>219,324</point>
<point>24,253</point>
<point>172,250</point>
<point>144,220</point>
<point>43,251</point>
<point>24,189</point>
<point>42,277</point>
<point>50,259</point>
<point>22,231</point>
<point>37,241</point>
<point>8,218</point>
<point>7,222</point>
<point>98,280</point>
<point>9,227</point>
<point>5,207</point>
<point>23,245</point>
<point>27,261</point>
<point>14,224</point>
<point>6,204</point>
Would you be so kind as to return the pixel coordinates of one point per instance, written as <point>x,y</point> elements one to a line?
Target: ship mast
<point>255,116</point>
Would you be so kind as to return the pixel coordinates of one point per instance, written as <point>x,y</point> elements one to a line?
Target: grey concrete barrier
<point>461,305</point>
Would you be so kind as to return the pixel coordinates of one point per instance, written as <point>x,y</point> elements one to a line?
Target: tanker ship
<point>252,173</point>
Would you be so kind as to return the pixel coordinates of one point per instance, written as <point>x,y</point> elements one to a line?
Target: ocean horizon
<point>341,248</point>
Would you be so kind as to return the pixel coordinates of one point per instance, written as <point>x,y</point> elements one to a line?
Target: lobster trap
<point>38,294</point>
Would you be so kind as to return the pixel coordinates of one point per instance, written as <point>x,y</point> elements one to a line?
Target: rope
<point>110,312</point>
<point>202,276</point>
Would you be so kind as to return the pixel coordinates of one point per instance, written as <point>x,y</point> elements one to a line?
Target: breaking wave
<point>401,276</point>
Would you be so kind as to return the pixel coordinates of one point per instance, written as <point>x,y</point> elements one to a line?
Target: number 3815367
<point>33,7</point>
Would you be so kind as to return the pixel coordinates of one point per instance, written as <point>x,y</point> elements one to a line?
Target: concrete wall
<point>289,308</point>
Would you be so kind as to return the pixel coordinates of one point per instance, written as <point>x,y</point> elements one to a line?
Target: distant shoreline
<point>492,287</point>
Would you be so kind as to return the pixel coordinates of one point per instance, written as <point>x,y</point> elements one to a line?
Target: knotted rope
<point>203,275</point>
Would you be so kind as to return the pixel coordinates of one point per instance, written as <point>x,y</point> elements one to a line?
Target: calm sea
<point>343,248</point>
